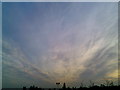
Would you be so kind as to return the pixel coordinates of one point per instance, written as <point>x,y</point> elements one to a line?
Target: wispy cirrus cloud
<point>18,69</point>
<point>65,42</point>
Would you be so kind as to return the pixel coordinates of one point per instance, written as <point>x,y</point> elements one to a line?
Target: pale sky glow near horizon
<point>45,43</point>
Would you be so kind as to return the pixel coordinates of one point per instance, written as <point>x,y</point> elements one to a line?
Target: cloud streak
<point>65,42</point>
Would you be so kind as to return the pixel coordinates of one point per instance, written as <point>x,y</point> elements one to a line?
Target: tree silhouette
<point>64,86</point>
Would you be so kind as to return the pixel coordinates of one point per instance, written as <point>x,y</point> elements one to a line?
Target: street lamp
<point>58,84</point>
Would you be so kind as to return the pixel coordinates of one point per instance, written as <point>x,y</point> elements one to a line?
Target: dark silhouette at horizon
<point>108,85</point>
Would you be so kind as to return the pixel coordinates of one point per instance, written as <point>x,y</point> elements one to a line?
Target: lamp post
<point>58,84</point>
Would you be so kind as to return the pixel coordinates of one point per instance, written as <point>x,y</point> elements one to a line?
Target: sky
<point>44,43</point>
